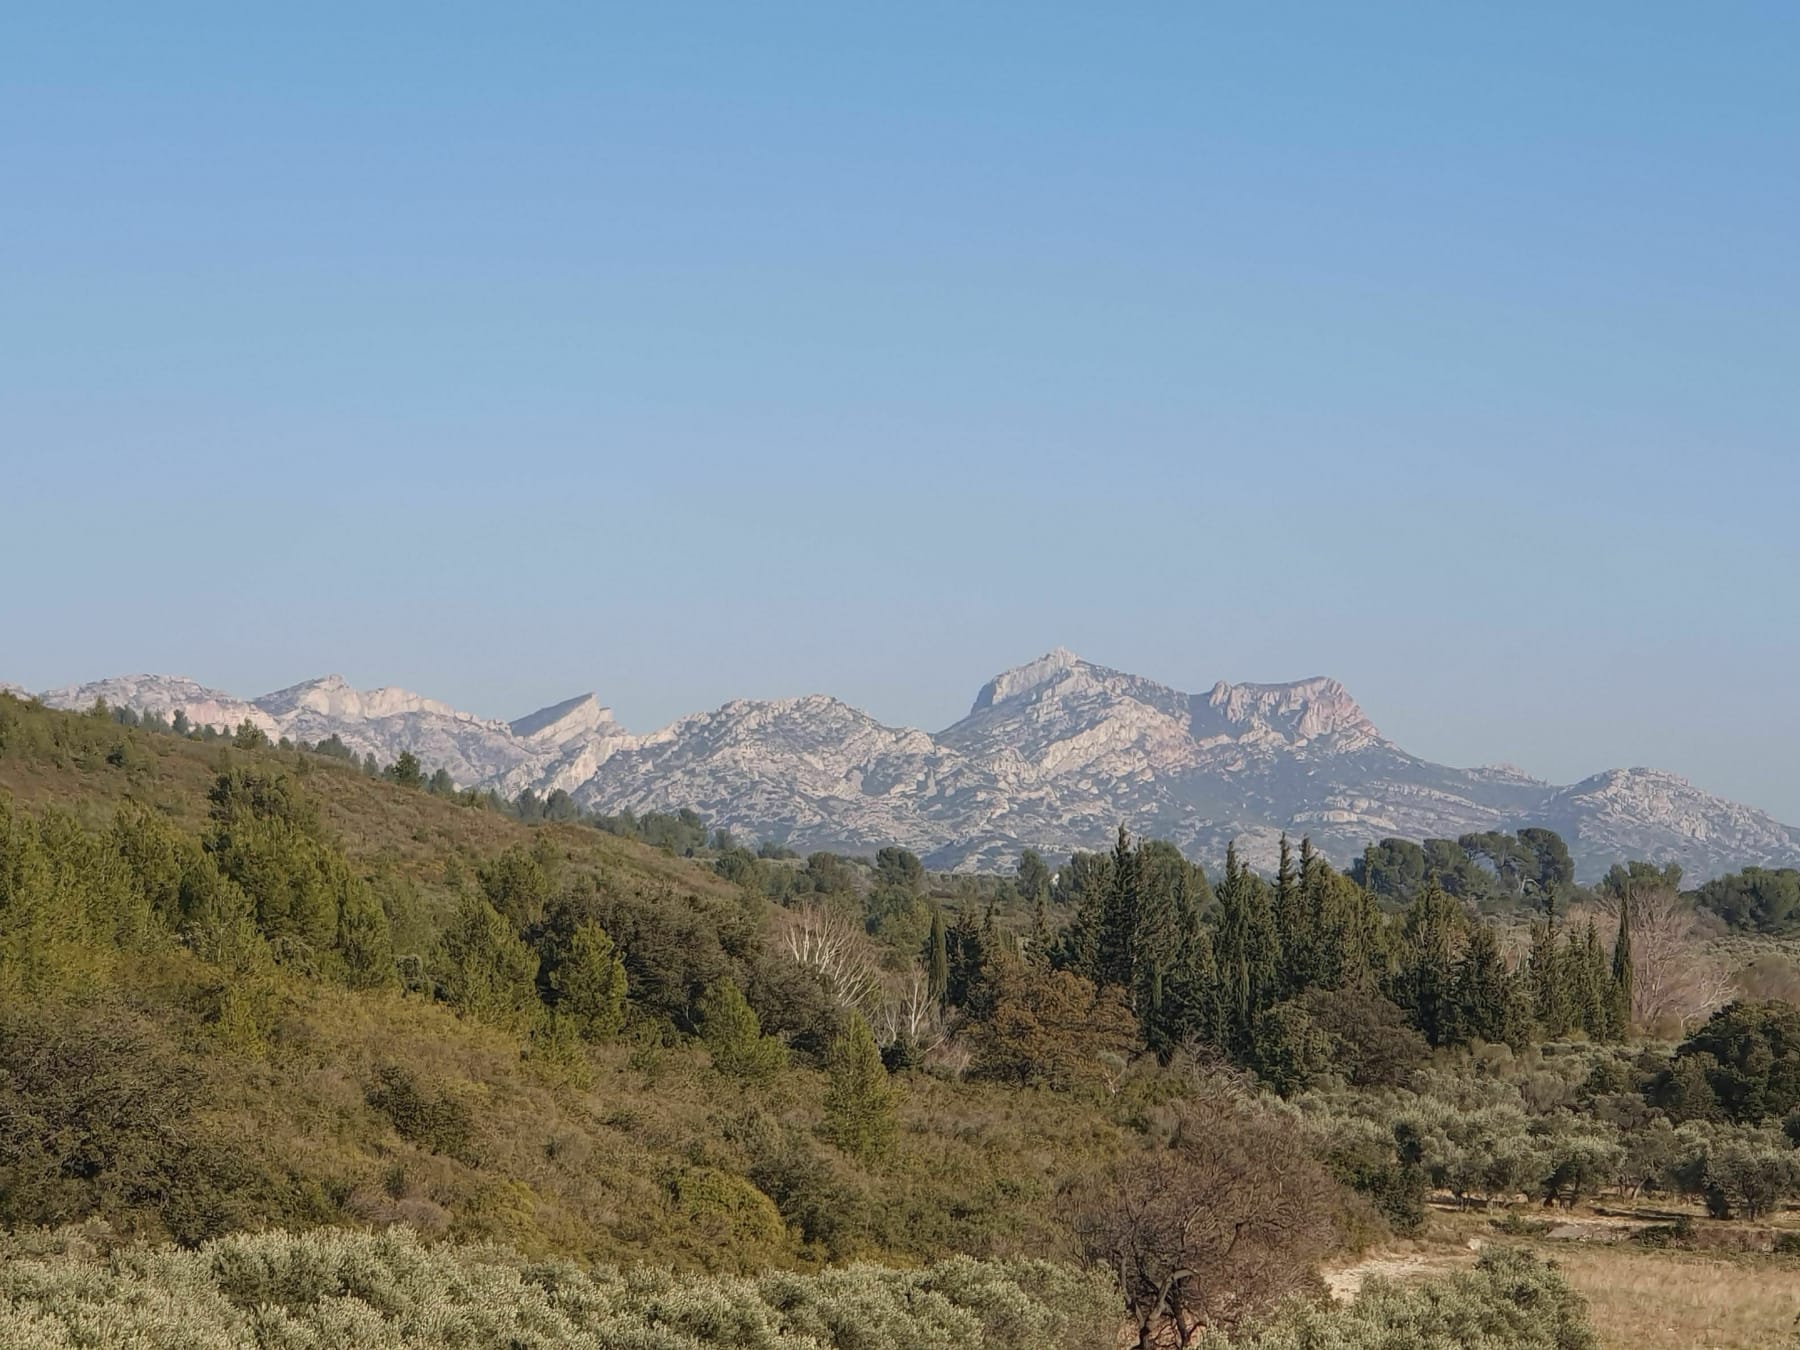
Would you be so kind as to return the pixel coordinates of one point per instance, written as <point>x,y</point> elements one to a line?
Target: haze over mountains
<point>1053,755</point>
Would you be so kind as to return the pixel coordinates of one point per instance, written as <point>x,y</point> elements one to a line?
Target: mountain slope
<point>1053,754</point>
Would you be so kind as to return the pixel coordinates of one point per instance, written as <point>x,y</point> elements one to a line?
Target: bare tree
<point>1227,1219</point>
<point>834,948</point>
<point>1675,980</point>
<point>909,1011</point>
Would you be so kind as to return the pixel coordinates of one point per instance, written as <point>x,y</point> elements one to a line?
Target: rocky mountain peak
<point>1053,666</point>
<point>566,721</point>
<point>1299,712</point>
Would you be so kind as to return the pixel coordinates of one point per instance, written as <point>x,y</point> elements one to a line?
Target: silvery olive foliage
<point>389,1291</point>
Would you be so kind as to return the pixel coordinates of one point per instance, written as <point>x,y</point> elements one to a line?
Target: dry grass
<point>1677,1301</point>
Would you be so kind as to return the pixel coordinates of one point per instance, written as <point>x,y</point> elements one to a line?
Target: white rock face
<point>1052,755</point>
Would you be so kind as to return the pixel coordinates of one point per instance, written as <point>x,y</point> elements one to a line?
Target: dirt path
<point>1346,1282</point>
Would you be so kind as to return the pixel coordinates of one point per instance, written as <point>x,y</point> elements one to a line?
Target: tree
<point>365,943</point>
<point>1206,1233</point>
<point>1291,926</point>
<point>1084,887</point>
<point>1119,916</point>
<point>860,1101</point>
<point>1425,984</point>
<point>733,1036</point>
<point>518,881</point>
<point>937,957</point>
<point>1048,1027</point>
<point>1619,1004</point>
<point>1484,1005</point>
<point>1675,979</point>
<point>898,868</point>
<point>487,973</point>
<point>249,736</point>
<point>406,770</point>
<point>588,985</point>
<point>1754,1049</point>
<point>1760,899</point>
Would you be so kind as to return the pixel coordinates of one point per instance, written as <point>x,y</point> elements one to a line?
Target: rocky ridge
<point>1052,754</point>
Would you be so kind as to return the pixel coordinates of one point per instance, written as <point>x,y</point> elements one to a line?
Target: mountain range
<point>1054,754</point>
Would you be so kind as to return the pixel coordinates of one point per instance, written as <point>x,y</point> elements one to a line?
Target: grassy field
<point>1661,1300</point>
<point>1641,1299</point>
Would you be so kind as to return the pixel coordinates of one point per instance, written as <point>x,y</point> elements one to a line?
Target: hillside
<point>1052,755</point>
<point>336,1032</point>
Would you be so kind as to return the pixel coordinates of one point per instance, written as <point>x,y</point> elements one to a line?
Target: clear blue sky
<point>683,352</point>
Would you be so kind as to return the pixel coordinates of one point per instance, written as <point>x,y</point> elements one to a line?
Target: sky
<point>690,352</point>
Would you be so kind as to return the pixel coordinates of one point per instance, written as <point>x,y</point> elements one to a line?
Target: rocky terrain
<point>1053,755</point>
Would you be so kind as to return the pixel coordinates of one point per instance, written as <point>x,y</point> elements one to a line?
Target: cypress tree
<point>937,958</point>
<point>1233,963</point>
<point>1119,917</point>
<point>1543,968</point>
<point>1622,969</point>
<point>1590,989</point>
<point>965,957</point>
<point>1426,983</point>
<point>1484,1005</point>
<point>1290,924</point>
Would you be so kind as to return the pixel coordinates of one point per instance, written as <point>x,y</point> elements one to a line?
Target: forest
<point>300,1050</point>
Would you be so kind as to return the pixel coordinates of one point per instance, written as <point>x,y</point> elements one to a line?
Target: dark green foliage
<point>1425,982</point>
<point>1485,1007</point>
<point>97,1119</point>
<point>1373,1044</point>
<point>937,958</point>
<point>519,882</point>
<point>1749,1056</point>
<point>1118,917</point>
<point>1758,899</point>
<point>407,771</point>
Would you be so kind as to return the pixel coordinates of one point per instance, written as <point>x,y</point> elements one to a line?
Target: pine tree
<point>1622,970</point>
<point>589,984</point>
<point>733,1035</point>
<point>488,974</point>
<point>860,1101</point>
<point>365,943</point>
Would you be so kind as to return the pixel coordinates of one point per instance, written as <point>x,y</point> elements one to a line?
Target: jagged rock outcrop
<point>1053,754</point>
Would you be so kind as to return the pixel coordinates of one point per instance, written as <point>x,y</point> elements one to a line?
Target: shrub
<point>1510,1301</point>
<point>386,1290</point>
<point>432,1119</point>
